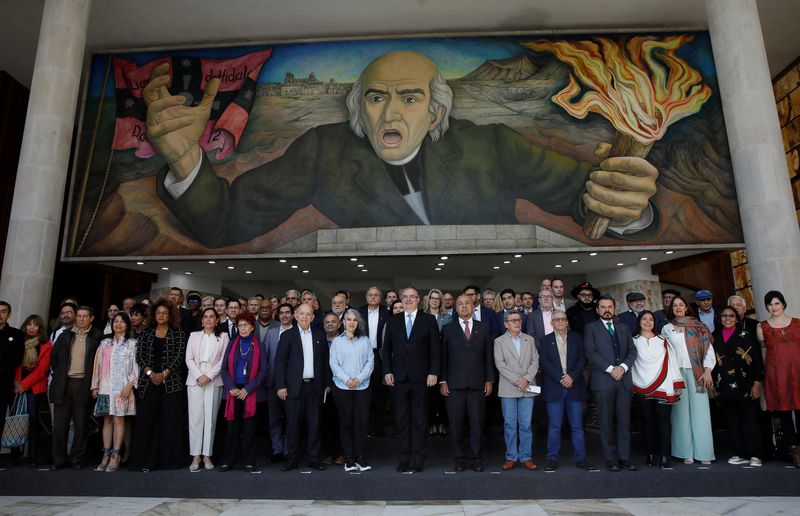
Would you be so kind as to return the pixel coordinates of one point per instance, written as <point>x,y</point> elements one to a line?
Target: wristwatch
<point>148,373</point>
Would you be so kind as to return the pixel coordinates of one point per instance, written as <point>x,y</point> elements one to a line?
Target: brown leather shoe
<point>530,465</point>
<point>507,465</point>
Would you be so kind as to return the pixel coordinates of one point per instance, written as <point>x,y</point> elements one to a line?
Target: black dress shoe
<point>612,466</point>
<point>55,467</point>
<point>403,467</point>
<point>289,465</point>
<point>224,468</point>
<point>651,459</point>
<point>277,457</point>
<point>460,467</point>
<point>665,464</point>
<point>584,464</point>
<point>316,465</point>
<point>477,466</point>
<point>418,468</point>
<point>551,465</point>
<point>77,466</point>
<point>627,466</point>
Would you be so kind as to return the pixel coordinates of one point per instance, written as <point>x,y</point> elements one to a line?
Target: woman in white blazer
<point>204,352</point>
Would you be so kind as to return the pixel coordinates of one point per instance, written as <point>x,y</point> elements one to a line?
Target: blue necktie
<point>408,326</point>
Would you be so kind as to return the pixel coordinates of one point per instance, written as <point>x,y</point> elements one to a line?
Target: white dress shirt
<point>308,353</point>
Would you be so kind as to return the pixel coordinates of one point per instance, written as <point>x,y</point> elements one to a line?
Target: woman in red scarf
<point>690,344</point>
<point>244,369</point>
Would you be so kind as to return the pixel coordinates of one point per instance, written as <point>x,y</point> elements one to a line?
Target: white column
<point>759,166</point>
<point>31,246</point>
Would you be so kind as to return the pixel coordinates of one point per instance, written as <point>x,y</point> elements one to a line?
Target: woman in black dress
<point>160,433</point>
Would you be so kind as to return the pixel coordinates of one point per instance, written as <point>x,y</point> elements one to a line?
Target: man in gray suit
<point>611,352</point>
<point>517,361</point>
<point>539,322</point>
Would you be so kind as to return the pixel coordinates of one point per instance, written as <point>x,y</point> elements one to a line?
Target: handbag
<point>15,433</point>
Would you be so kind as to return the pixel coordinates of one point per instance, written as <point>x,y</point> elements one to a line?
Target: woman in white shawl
<point>657,382</point>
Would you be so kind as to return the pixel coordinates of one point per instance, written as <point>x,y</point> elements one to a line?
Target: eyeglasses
<point>162,314</point>
<point>514,321</point>
<point>558,319</point>
<point>585,294</point>
<point>727,316</point>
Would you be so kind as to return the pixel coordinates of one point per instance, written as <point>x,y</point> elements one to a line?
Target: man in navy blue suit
<point>562,360</point>
<point>611,352</point>
<point>411,363</point>
<point>636,305</point>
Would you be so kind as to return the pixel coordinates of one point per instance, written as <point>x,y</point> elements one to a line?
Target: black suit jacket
<point>412,359</point>
<point>173,357</point>
<point>467,364</point>
<point>550,364</point>
<point>383,317</point>
<point>289,362</point>
<point>12,349</point>
<point>60,358</point>
<point>600,352</point>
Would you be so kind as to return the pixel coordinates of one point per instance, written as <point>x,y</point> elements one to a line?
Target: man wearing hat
<point>583,312</point>
<point>667,296</point>
<point>705,309</point>
<point>636,302</point>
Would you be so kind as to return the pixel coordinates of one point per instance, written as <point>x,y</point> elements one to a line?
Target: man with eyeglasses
<point>538,324</point>
<point>562,360</point>
<point>411,363</point>
<point>583,312</point>
<point>292,297</point>
<point>517,362</point>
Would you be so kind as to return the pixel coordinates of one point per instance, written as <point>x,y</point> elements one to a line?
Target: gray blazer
<point>512,366</point>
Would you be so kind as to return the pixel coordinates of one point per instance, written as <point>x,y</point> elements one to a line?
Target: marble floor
<point>42,506</point>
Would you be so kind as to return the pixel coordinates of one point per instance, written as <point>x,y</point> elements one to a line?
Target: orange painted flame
<point>641,88</point>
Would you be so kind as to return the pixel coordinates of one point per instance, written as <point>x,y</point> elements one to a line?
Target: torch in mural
<point>639,84</point>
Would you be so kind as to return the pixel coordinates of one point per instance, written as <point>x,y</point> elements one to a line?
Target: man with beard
<point>583,312</point>
<point>557,287</point>
<point>636,304</point>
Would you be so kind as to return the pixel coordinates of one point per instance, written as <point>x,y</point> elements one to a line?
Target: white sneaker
<point>755,461</point>
<point>351,466</point>
<point>737,460</point>
<point>363,467</point>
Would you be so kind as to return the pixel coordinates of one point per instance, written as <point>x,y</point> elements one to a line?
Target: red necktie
<point>466,329</point>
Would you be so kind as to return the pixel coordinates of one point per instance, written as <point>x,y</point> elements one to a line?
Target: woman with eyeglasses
<point>738,377</point>
<point>780,335</point>
<point>159,437</point>
<point>692,437</point>
<point>243,372</point>
<point>657,382</point>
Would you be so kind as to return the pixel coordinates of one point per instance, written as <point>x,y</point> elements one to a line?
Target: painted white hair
<point>441,97</point>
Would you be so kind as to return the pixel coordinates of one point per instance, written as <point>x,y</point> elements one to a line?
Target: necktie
<point>408,326</point>
<point>610,328</point>
<point>466,329</point>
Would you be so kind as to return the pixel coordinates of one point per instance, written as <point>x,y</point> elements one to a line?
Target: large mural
<point>608,140</point>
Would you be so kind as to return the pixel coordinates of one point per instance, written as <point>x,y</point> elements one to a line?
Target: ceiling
<point>124,24</point>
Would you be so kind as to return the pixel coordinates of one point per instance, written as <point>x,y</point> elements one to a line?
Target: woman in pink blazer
<point>204,352</point>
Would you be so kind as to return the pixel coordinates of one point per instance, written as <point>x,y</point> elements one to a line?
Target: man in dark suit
<point>562,360</point>
<point>12,349</point>
<point>611,352</point>
<point>375,317</point>
<point>175,294</point>
<point>229,326</point>
<point>481,313</point>
<point>507,297</point>
<point>662,319</point>
<point>466,379</point>
<point>275,406</point>
<point>636,305</point>
<point>302,377</point>
<point>411,363</point>
<point>71,361</point>
<point>539,322</point>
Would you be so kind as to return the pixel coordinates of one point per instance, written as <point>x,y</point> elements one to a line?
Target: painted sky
<point>344,60</point>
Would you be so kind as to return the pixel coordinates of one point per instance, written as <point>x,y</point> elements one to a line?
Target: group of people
<point>165,379</point>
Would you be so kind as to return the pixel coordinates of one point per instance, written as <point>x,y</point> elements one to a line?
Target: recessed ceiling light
<point>282,260</point>
<point>364,270</point>
<point>443,257</point>
<point>668,252</point>
<point>592,254</point>
<point>643,259</point>
<point>574,260</point>
<point>507,261</point>
<point>212,262</point>
<point>188,272</point>
<point>558,266</point>
<point>353,259</point>
<point>440,264</point>
<point>294,266</point>
<point>139,263</point>
<point>437,268</point>
<point>620,264</point>
<point>305,271</point>
<point>231,267</point>
<point>359,265</point>
<point>164,268</point>
<point>496,267</point>
<point>248,272</point>
<point>517,256</point>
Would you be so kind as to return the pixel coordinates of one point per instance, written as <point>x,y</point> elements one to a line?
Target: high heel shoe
<point>106,458</point>
<point>113,464</point>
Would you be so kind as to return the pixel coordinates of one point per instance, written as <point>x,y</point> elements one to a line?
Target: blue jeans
<point>555,414</point>
<point>517,413</point>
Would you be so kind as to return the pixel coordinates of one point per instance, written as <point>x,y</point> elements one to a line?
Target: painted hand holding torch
<point>642,88</point>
